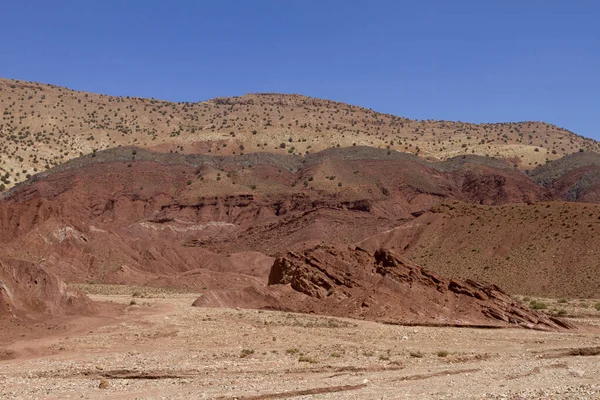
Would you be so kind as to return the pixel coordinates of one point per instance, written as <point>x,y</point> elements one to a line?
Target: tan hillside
<point>45,125</point>
<point>547,247</point>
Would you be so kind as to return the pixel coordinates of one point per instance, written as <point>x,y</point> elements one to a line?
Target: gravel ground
<point>162,348</point>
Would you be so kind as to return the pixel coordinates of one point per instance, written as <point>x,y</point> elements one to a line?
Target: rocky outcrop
<point>352,282</point>
<point>28,290</point>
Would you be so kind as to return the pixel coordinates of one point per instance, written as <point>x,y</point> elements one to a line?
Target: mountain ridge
<point>45,125</point>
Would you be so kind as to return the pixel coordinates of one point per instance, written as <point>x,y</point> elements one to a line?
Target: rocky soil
<point>161,348</point>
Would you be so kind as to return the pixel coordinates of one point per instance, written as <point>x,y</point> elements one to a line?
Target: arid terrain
<point>44,125</point>
<point>280,246</point>
<point>161,348</point>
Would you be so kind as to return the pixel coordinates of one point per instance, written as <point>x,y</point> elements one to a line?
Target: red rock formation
<point>381,286</point>
<point>29,290</point>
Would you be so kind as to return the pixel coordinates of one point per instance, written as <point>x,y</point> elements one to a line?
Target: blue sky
<point>476,61</point>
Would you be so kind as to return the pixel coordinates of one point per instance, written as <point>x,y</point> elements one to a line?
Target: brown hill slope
<point>112,218</point>
<point>200,221</point>
<point>45,125</point>
<point>550,249</point>
<point>575,177</point>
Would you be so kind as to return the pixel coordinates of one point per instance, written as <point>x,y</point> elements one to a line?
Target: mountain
<point>45,125</point>
<point>194,221</point>
<point>212,196</point>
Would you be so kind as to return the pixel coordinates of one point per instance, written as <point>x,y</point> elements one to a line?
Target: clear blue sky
<point>478,60</point>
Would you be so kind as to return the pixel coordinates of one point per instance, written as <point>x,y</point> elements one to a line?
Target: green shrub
<point>537,305</point>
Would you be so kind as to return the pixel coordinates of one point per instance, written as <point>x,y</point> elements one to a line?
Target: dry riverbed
<point>161,348</point>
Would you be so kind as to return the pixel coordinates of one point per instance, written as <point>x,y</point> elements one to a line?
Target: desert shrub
<point>307,359</point>
<point>537,305</point>
<point>246,352</point>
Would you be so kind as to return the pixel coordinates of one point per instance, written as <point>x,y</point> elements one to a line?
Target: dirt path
<point>163,348</point>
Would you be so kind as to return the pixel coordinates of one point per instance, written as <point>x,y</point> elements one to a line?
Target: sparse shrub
<point>417,354</point>
<point>307,359</point>
<point>442,353</point>
<point>292,351</point>
<point>246,352</point>
<point>537,305</point>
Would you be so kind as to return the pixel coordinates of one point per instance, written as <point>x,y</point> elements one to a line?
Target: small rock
<point>576,373</point>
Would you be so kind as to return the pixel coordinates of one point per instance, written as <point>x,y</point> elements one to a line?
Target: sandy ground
<point>161,348</point>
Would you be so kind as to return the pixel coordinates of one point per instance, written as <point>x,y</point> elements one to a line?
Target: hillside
<point>575,177</point>
<point>44,125</point>
<point>95,217</point>
<point>130,216</point>
<point>549,248</point>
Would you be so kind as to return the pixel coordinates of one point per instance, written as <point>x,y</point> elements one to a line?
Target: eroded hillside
<point>45,125</point>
